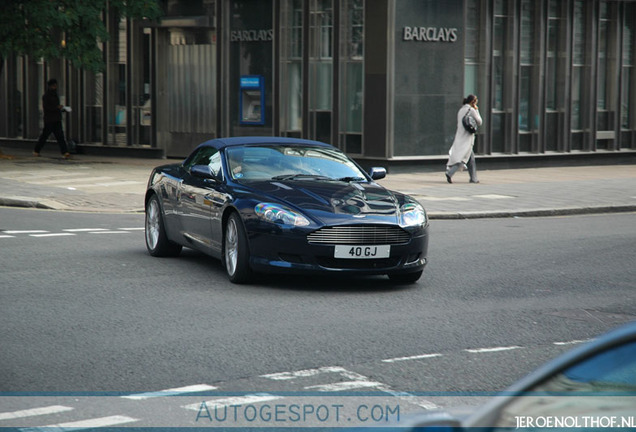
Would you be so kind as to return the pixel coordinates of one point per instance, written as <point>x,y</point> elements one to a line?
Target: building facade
<point>380,79</point>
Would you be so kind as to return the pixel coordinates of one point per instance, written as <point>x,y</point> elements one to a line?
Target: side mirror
<point>377,173</point>
<point>203,171</point>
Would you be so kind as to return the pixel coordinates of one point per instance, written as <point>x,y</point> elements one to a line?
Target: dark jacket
<point>50,105</point>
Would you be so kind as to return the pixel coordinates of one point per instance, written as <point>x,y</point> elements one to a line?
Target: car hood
<point>335,199</point>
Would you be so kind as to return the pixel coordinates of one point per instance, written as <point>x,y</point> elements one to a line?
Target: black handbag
<point>470,124</point>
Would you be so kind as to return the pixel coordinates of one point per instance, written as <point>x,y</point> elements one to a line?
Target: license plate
<point>362,252</point>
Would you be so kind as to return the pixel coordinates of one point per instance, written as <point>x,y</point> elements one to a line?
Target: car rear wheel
<point>236,253</point>
<point>156,239</point>
<point>405,278</point>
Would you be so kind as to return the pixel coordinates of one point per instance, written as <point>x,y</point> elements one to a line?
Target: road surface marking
<point>25,232</point>
<point>489,350</point>
<point>109,232</point>
<point>573,342</point>
<point>83,424</point>
<point>34,412</point>
<point>52,235</point>
<point>493,196</point>
<point>132,229</point>
<point>66,181</point>
<point>172,392</point>
<point>415,357</point>
<point>117,183</point>
<point>7,236</point>
<point>84,229</point>
<point>238,400</point>
<point>343,386</point>
<point>281,376</point>
<point>430,198</point>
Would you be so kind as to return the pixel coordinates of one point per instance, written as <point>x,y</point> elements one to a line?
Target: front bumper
<point>291,253</point>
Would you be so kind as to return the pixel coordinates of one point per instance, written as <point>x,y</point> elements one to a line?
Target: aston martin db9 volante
<point>282,205</point>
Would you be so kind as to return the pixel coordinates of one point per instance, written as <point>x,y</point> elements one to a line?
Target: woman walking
<point>461,153</point>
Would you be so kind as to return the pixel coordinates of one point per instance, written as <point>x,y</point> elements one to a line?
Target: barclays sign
<point>429,34</point>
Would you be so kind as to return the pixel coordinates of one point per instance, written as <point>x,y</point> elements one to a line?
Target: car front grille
<point>359,235</point>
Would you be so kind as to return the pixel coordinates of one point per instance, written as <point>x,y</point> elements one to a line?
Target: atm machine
<point>252,100</point>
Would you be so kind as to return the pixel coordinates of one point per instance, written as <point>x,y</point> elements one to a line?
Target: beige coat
<point>464,140</point>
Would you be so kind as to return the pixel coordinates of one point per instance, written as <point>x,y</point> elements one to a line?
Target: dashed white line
<point>7,236</point>
<point>172,392</point>
<point>84,229</point>
<point>238,400</point>
<point>415,357</point>
<point>53,409</point>
<point>109,232</point>
<point>25,232</point>
<point>132,229</point>
<point>83,424</point>
<point>52,235</point>
<point>489,350</point>
<point>573,342</point>
<point>343,386</point>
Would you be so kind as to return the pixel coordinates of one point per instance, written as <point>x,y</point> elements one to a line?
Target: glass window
<point>291,67</point>
<point>351,75</point>
<point>602,385</point>
<point>579,70</point>
<point>320,69</point>
<point>629,46</point>
<point>526,57</point>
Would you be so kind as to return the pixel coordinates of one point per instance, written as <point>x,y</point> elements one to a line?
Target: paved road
<point>85,308</point>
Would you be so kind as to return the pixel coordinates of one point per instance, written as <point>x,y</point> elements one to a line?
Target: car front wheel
<point>236,253</point>
<point>156,239</point>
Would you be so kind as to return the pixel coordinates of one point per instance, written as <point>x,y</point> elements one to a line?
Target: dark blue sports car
<point>263,204</point>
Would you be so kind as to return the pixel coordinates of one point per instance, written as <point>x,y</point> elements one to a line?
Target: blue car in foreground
<point>590,388</point>
<point>283,205</point>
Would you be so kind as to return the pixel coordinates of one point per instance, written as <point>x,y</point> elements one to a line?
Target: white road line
<point>171,392</point>
<point>53,409</point>
<point>282,376</point>
<point>109,232</point>
<point>343,386</point>
<point>69,181</point>
<point>7,236</point>
<point>493,196</point>
<point>489,350</point>
<point>573,342</point>
<point>118,183</point>
<point>238,400</point>
<point>52,235</point>
<point>25,232</point>
<point>415,357</point>
<point>132,229</point>
<point>430,198</point>
<point>84,229</point>
<point>83,424</point>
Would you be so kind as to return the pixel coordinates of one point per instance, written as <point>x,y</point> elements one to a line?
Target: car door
<point>197,198</point>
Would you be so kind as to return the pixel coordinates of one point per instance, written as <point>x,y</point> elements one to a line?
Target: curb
<point>25,202</point>
<point>565,211</point>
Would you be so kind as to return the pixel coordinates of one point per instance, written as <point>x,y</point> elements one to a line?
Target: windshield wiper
<point>351,179</point>
<point>300,177</point>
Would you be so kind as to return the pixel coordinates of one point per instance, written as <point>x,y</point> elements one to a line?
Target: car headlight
<point>278,214</point>
<point>413,214</point>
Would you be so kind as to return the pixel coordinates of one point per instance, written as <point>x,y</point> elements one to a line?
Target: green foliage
<point>65,28</point>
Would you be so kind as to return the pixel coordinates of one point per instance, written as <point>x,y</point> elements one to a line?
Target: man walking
<point>52,120</point>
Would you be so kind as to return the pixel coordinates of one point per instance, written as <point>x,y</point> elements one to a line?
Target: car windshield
<point>284,162</point>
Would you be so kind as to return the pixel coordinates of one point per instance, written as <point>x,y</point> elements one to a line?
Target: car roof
<point>220,143</point>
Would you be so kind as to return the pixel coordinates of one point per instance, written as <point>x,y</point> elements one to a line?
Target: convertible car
<point>282,205</point>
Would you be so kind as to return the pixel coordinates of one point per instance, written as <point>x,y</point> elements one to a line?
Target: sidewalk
<point>109,184</point>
